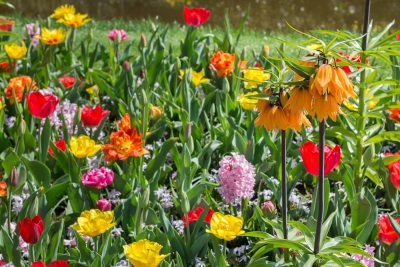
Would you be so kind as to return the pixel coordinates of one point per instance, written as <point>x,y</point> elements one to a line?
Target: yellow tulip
<point>254,77</point>
<point>246,103</point>
<point>155,112</point>
<point>1,104</point>
<point>52,37</point>
<point>94,222</point>
<point>74,20</point>
<point>15,51</point>
<point>225,227</point>
<point>83,146</point>
<point>144,253</point>
<point>62,10</point>
<point>197,77</point>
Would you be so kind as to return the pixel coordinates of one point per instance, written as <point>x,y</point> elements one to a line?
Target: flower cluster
<point>236,178</point>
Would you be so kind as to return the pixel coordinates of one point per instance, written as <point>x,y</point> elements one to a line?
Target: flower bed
<point>212,158</point>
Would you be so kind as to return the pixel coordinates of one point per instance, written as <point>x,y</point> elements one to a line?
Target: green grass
<point>176,33</point>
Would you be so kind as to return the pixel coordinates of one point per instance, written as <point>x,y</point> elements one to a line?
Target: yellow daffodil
<point>225,227</point>
<point>155,112</point>
<point>74,20</point>
<point>15,51</point>
<point>144,253</point>
<point>83,146</point>
<point>246,103</point>
<point>52,37</point>
<point>94,222</point>
<point>62,10</point>
<point>254,77</point>
<point>197,77</point>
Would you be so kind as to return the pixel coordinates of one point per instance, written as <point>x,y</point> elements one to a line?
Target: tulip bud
<point>90,36</point>
<point>33,207</point>
<point>185,203</point>
<point>144,199</point>
<point>177,65</point>
<point>265,51</point>
<point>77,117</point>
<point>268,209</point>
<point>126,66</point>
<point>225,86</point>
<point>143,41</point>
<point>143,98</point>
<point>21,128</point>
<point>243,54</point>
<point>118,39</point>
<point>103,205</point>
<point>13,180</point>
<point>369,155</point>
<point>190,144</point>
<point>153,27</point>
<point>212,109</point>
<point>188,131</point>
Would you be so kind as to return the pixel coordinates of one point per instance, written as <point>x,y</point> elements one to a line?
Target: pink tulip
<point>98,178</point>
<point>117,35</point>
<point>103,205</point>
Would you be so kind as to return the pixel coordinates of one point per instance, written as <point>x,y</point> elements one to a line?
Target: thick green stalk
<point>361,104</point>
<point>284,192</point>
<point>320,192</point>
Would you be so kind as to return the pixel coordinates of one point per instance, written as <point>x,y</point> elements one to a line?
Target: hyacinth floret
<point>236,177</point>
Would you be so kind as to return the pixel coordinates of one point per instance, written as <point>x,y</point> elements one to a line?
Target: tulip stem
<point>284,192</point>
<point>9,210</point>
<point>31,253</point>
<point>224,249</point>
<point>320,187</point>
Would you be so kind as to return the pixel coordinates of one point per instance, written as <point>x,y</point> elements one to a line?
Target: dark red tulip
<point>91,117</point>
<point>60,144</point>
<point>41,106</point>
<point>195,16</point>
<point>38,264</point>
<point>31,229</point>
<point>310,154</point>
<point>58,263</point>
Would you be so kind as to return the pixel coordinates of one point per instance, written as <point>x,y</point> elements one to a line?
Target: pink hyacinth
<point>103,205</point>
<point>31,31</point>
<point>98,178</point>
<point>236,177</point>
<point>113,35</point>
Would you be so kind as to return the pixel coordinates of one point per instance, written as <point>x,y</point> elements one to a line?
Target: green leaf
<point>326,226</point>
<point>12,160</point>
<point>386,136</point>
<point>310,238</point>
<point>40,172</point>
<point>156,163</point>
<point>395,225</point>
<point>44,140</point>
<point>239,142</point>
<point>57,190</point>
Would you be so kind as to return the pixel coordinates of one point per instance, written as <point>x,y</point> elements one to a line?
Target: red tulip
<point>38,264</point>
<point>68,81</point>
<point>1,262</point>
<point>92,117</point>
<point>58,263</point>
<point>41,106</point>
<point>194,215</point>
<point>386,234</point>
<point>395,175</point>
<point>195,16</point>
<point>7,26</point>
<point>31,229</point>
<point>60,144</point>
<point>310,154</point>
<point>398,37</point>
